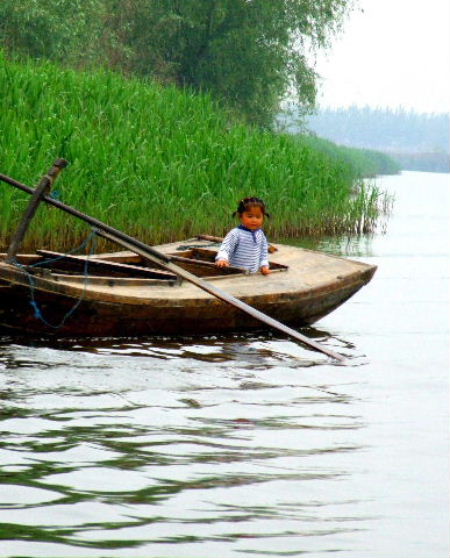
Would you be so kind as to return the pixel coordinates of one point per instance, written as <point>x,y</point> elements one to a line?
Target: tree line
<point>246,53</point>
<point>390,130</point>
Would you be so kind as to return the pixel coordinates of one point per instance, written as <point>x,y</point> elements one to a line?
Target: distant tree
<point>248,53</point>
<point>386,129</point>
<point>62,30</point>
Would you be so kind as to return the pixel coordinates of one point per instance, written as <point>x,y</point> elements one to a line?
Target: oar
<point>43,187</point>
<point>219,293</point>
<point>161,259</point>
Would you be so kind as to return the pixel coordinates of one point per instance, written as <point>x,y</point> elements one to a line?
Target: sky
<point>391,53</point>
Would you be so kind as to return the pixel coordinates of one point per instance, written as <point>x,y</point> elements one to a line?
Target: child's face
<point>253,218</point>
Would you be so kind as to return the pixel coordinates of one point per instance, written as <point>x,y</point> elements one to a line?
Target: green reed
<point>160,163</point>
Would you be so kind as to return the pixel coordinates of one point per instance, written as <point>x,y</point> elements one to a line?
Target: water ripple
<point>120,445</point>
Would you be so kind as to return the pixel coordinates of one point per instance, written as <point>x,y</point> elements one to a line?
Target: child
<point>246,246</point>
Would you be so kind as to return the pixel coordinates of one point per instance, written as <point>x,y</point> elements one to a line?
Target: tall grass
<point>158,162</point>
<point>365,162</point>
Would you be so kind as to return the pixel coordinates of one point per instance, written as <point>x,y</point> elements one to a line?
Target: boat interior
<point>196,259</point>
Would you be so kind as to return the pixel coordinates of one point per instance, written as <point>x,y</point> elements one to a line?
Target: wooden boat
<point>123,294</point>
<point>162,290</point>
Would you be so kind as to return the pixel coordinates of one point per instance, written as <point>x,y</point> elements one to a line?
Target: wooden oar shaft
<point>86,218</point>
<point>226,297</point>
<point>43,187</point>
<point>161,259</point>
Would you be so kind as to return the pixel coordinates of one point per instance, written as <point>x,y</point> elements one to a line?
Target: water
<point>246,446</point>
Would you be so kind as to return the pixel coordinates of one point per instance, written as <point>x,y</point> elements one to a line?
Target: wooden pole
<point>161,259</point>
<point>224,296</point>
<point>44,187</point>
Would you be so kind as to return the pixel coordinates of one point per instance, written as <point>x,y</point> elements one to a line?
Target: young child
<point>246,246</point>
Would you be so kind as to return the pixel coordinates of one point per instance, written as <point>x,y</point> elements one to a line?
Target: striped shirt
<point>245,248</point>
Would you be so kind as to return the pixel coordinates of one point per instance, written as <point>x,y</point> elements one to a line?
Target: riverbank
<point>161,163</point>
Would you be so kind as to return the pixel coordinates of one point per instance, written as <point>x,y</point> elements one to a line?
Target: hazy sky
<point>394,53</point>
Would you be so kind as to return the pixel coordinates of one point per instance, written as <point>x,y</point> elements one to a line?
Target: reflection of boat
<point>122,294</point>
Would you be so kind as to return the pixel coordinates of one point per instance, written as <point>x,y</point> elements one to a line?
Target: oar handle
<point>83,217</point>
<point>42,188</point>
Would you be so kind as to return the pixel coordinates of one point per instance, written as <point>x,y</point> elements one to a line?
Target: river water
<point>247,445</point>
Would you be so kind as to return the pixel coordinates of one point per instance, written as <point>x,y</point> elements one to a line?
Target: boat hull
<point>43,306</point>
<point>50,314</point>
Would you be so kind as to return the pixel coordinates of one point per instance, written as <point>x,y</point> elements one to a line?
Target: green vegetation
<point>246,54</point>
<point>365,162</point>
<point>161,163</point>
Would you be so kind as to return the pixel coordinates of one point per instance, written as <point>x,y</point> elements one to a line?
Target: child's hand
<point>265,270</point>
<point>222,263</point>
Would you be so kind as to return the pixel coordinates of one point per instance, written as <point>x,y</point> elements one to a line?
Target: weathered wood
<point>208,265</point>
<point>224,296</point>
<point>43,187</point>
<point>94,265</point>
<point>315,285</point>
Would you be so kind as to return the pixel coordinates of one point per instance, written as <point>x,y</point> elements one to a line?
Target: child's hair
<point>246,203</point>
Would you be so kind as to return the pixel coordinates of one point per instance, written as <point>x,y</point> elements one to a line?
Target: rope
<point>92,238</point>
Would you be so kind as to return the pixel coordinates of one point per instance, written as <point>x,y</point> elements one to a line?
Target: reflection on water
<point>245,445</point>
<point>360,246</point>
<point>128,444</point>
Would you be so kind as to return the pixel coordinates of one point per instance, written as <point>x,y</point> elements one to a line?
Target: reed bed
<point>160,163</point>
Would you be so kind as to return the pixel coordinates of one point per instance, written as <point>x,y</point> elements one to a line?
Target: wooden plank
<point>118,269</point>
<point>208,265</point>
